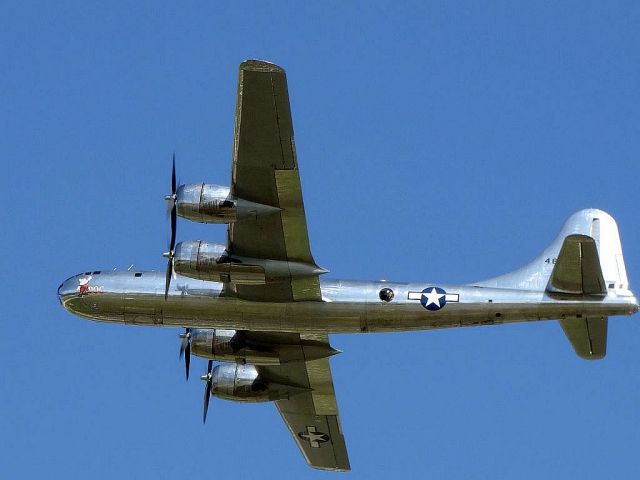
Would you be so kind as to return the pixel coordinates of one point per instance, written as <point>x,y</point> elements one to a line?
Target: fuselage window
<point>138,274</point>
<point>386,294</point>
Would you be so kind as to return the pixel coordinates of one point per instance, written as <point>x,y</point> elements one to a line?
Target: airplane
<point>258,306</point>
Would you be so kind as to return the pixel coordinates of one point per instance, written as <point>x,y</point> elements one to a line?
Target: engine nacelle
<point>206,203</point>
<point>239,347</point>
<point>243,383</point>
<point>210,261</point>
<point>229,346</point>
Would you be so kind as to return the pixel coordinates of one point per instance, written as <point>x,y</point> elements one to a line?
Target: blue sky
<point>438,142</point>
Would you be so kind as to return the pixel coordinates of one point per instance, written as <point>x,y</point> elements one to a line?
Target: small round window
<point>386,294</point>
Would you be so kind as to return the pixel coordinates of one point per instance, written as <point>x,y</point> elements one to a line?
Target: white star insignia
<point>433,297</point>
<point>314,437</point>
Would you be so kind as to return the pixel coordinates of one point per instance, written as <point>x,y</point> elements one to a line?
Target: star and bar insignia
<point>434,298</point>
<point>314,437</point>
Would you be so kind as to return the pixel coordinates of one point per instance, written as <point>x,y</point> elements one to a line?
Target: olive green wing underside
<point>265,171</point>
<point>312,417</point>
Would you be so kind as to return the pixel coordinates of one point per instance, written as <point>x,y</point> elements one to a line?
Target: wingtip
<point>260,66</point>
<point>337,468</point>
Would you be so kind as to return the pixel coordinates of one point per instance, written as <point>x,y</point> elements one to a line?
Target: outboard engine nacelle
<point>206,203</point>
<point>243,383</point>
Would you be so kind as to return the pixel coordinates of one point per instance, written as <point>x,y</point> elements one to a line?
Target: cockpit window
<point>138,274</point>
<point>97,272</point>
<point>87,273</point>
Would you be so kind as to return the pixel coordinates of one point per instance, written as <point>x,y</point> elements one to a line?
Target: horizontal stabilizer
<point>577,269</point>
<point>588,335</point>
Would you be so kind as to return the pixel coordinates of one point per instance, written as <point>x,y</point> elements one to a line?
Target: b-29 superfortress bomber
<point>259,306</point>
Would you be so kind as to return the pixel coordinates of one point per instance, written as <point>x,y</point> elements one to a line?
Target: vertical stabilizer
<point>585,260</point>
<point>593,223</point>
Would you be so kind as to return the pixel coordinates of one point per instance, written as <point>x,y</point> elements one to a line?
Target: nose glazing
<point>66,288</point>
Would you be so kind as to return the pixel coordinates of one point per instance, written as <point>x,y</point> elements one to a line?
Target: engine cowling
<point>205,203</point>
<point>239,347</point>
<point>230,346</point>
<point>243,383</point>
<point>210,261</point>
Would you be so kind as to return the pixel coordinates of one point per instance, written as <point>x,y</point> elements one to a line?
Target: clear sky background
<point>438,141</point>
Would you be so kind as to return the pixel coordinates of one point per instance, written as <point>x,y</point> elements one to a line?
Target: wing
<point>312,417</point>
<point>265,171</point>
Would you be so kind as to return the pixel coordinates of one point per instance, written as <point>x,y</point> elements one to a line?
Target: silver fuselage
<point>137,298</point>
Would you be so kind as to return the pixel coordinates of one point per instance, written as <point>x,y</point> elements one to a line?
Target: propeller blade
<point>207,394</point>
<point>168,275</point>
<point>185,349</point>
<point>207,391</point>
<point>173,175</point>
<point>174,218</point>
<point>187,359</point>
<point>171,199</point>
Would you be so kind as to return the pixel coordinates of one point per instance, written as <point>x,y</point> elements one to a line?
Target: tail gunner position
<point>256,304</point>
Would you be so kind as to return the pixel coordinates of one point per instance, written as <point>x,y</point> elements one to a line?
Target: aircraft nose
<point>66,288</point>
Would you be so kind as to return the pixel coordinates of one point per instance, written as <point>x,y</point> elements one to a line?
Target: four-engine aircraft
<point>257,304</point>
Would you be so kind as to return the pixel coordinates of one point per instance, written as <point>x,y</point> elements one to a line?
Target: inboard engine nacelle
<point>243,383</point>
<point>206,203</point>
<point>239,347</point>
<point>210,261</point>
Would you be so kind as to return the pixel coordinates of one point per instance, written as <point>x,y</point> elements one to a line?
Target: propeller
<point>185,349</point>
<point>207,390</point>
<point>171,205</point>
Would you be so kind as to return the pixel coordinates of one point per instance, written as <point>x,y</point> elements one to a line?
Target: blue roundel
<point>433,298</point>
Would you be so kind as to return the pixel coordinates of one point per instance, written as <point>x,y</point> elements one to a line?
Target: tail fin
<point>584,259</point>
<point>603,232</point>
